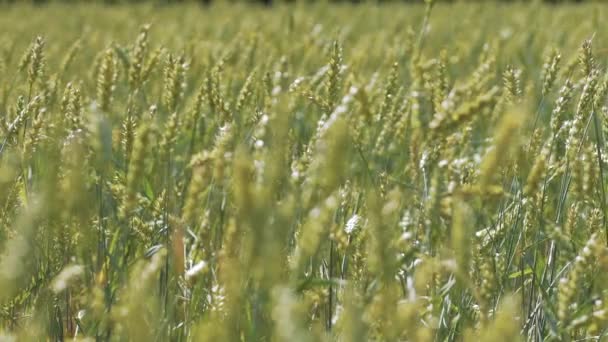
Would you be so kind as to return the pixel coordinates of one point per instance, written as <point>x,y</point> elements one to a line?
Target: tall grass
<point>306,173</point>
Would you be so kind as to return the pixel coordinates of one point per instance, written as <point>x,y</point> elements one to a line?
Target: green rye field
<point>304,172</point>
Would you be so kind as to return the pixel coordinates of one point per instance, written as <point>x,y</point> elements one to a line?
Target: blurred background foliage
<point>269,2</point>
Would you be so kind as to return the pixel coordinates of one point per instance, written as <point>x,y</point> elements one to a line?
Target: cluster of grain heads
<point>512,84</point>
<point>333,83</point>
<point>559,110</point>
<point>570,283</point>
<point>137,58</point>
<point>203,182</point>
<point>33,60</point>
<point>136,170</point>
<point>106,79</point>
<point>550,69</point>
<point>585,57</point>
<point>174,81</point>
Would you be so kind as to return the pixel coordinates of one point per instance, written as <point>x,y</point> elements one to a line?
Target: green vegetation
<point>303,173</point>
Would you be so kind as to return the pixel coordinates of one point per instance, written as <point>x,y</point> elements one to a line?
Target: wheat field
<point>305,172</point>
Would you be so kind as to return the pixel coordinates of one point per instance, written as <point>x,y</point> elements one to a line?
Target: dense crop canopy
<point>303,173</point>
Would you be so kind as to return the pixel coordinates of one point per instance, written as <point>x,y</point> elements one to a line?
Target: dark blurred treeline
<point>269,2</point>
